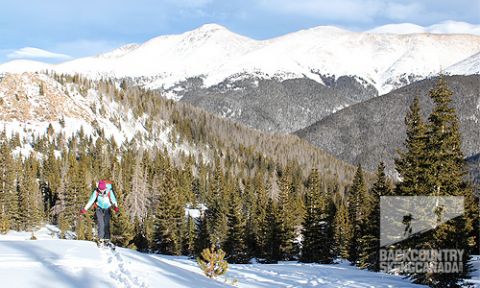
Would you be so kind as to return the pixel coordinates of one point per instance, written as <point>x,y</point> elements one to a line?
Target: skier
<point>102,198</point>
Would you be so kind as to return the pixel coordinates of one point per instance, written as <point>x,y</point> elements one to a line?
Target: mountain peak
<point>211,27</point>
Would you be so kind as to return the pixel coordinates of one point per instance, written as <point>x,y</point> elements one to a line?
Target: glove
<point>83,211</point>
<point>116,209</point>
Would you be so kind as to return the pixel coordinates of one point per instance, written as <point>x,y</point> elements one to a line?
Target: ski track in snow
<point>119,272</point>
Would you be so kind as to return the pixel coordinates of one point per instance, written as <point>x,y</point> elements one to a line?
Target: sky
<point>59,30</point>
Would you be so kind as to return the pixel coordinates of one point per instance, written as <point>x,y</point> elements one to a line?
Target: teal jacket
<point>104,200</point>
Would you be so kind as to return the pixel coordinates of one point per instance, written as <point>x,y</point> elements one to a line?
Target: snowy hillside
<point>31,102</point>
<point>386,61</point>
<point>471,65</point>
<point>49,262</point>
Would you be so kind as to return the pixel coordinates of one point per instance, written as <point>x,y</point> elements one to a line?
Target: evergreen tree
<point>29,197</point>
<point>317,245</point>
<point>250,199</point>
<point>311,226</point>
<point>80,230</point>
<point>286,217</point>
<point>62,225</point>
<point>445,177</point>
<point>76,189</point>
<point>88,223</point>
<point>137,201</point>
<point>359,203</point>
<point>260,218</point>
<point>370,241</point>
<point>139,240</point>
<point>122,228</point>
<point>343,231</point>
<point>202,241</point>
<point>235,246</point>
<point>411,163</point>
<point>212,262</point>
<point>190,236</point>
<point>8,198</point>
<point>273,230</point>
<point>50,181</point>
<point>217,208</point>
<point>169,217</point>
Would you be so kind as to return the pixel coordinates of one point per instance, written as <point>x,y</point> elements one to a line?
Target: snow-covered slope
<point>446,27</point>
<point>19,66</point>
<point>386,61</point>
<point>471,65</point>
<point>49,262</point>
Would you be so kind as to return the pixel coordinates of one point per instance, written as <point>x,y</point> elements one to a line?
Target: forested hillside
<point>173,156</point>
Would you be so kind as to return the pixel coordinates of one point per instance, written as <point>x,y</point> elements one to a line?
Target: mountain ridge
<point>214,53</point>
<point>372,131</point>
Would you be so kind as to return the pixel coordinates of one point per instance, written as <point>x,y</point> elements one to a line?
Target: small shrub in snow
<point>212,262</point>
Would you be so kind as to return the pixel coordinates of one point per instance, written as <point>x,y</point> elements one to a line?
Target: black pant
<point>103,222</point>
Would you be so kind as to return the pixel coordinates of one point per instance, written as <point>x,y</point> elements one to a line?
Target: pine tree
<point>137,201</point>
<point>286,217</point>
<point>202,241</point>
<point>88,223</point>
<point>235,246</point>
<point>80,230</point>
<point>62,225</point>
<point>212,262</point>
<point>343,231</point>
<point>250,200</point>
<point>8,198</point>
<point>260,218</point>
<point>317,245</point>
<point>139,240</point>
<point>311,244</point>
<point>50,181</point>
<point>445,177</point>
<point>411,163</point>
<point>76,188</point>
<point>359,203</point>
<point>273,230</point>
<point>29,197</point>
<point>169,217</point>
<point>190,236</point>
<point>122,228</point>
<point>217,208</point>
<point>370,241</point>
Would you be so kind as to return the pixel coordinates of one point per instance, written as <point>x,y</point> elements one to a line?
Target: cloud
<point>347,10</point>
<point>87,47</point>
<point>446,27</point>
<point>333,10</point>
<point>31,52</point>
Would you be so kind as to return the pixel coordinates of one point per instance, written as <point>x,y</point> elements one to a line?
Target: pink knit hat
<point>102,185</point>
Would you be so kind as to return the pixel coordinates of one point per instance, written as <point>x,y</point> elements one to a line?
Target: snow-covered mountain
<point>212,52</point>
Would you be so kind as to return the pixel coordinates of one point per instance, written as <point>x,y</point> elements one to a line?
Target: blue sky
<point>71,29</point>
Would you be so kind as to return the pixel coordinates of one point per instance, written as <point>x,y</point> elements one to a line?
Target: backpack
<point>109,189</point>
